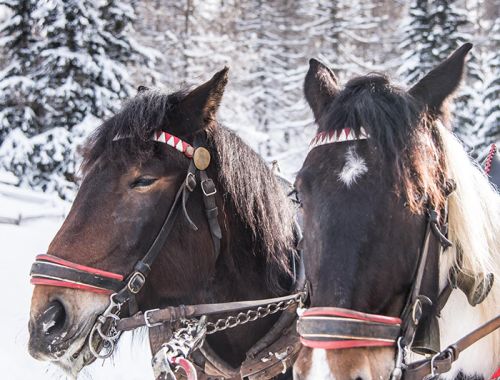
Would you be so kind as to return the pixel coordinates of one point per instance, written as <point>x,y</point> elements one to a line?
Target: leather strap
<point>336,328</point>
<point>211,210</point>
<point>41,271</point>
<point>137,278</point>
<point>175,313</point>
<point>54,271</point>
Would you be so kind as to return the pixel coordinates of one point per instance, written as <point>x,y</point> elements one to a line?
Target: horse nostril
<point>53,318</point>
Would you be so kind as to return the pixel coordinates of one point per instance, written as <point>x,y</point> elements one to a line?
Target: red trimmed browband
<point>341,135</point>
<point>82,268</point>
<point>334,328</point>
<point>175,142</point>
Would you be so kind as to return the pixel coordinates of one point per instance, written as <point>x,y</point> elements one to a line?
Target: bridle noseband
<point>54,271</point>
<point>333,328</point>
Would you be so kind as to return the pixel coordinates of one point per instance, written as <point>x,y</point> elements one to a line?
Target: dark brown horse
<point>129,185</point>
<point>376,173</point>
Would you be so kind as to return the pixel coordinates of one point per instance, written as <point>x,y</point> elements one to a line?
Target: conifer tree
<point>18,102</point>
<point>77,76</point>
<point>488,128</point>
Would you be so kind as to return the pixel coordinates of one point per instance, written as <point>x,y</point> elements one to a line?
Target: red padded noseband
<point>83,268</point>
<point>54,271</point>
<point>334,328</point>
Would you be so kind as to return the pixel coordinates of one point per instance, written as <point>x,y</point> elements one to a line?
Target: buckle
<point>208,194</point>
<point>136,282</point>
<point>190,182</point>
<point>146,319</point>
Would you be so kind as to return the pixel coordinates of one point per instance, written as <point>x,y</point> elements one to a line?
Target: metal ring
<point>108,352</point>
<point>106,336</point>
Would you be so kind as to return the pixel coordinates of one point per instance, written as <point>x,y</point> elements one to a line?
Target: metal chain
<point>251,315</point>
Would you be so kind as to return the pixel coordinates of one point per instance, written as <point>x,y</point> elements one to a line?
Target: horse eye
<point>143,182</point>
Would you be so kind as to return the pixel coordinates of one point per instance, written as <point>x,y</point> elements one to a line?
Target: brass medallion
<point>201,158</point>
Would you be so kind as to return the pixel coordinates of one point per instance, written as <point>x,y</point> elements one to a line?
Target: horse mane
<point>248,185</point>
<point>474,223</point>
<point>402,136</point>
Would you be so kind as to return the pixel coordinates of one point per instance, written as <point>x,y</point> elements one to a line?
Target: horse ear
<point>441,82</point>
<point>198,109</point>
<point>320,86</point>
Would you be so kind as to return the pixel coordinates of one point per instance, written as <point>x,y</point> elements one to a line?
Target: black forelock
<point>136,121</point>
<point>385,111</point>
<point>400,132</point>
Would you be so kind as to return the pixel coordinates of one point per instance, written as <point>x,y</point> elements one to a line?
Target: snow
<point>20,244</point>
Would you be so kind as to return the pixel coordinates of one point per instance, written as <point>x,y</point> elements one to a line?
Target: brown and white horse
<point>381,160</point>
<point>129,185</point>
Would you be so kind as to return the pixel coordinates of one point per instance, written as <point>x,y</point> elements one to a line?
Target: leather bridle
<point>336,328</point>
<point>53,271</point>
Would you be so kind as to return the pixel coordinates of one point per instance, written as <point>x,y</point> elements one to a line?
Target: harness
<point>337,328</point>
<point>272,354</point>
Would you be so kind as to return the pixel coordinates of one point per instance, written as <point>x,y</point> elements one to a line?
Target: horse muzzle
<point>60,323</point>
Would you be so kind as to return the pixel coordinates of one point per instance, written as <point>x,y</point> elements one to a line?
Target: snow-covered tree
<point>18,102</point>
<point>430,33</point>
<point>488,126</point>
<point>77,74</point>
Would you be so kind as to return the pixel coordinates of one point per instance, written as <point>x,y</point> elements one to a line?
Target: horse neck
<point>241,275</point>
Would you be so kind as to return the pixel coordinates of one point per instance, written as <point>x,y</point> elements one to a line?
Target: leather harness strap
<point>175,313</point>
<point>441,362</point>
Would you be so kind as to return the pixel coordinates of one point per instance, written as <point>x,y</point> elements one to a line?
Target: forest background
<point>66,65</point>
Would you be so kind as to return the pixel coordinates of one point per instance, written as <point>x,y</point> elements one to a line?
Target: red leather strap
<point>333,328</point>
<point>341,344</point>
<point>68,284</point>
<point>83,268</point>
<point>352,314</point>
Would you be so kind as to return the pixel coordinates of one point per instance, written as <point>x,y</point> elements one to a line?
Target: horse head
<point>376,179</point>
<point>173,209</point>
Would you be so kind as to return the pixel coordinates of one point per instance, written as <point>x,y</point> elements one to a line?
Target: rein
<point>334,328</point>
<point>265,359</point>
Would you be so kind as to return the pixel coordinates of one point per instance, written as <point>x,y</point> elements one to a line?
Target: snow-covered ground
<point>40,217</point>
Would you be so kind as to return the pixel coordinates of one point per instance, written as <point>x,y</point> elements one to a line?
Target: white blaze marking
<point>354,167</point>
<point>319,369</point>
